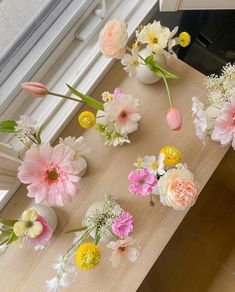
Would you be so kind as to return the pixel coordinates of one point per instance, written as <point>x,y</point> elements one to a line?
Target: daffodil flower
<point>29,226</point>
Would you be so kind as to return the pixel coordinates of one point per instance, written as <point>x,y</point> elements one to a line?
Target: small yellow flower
<point>172,155</point>
<point>184,39</point>
<point>107,96</point>
<point>87,119</point>
<point>135,46</point>
<point>154,165</point>
<point>88,256</point>
<point>28,226</point>
<point>139,162</point>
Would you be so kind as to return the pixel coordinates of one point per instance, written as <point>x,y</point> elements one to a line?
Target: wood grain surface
<point>25,270</point>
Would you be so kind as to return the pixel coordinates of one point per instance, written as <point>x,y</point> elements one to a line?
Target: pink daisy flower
<point>142,182</point>
<point>44,236</point>
<point>51,174</point>
<point>224,126</point>
<point>123,225</point>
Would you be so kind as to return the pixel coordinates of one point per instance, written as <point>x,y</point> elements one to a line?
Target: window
<point>68,52</point>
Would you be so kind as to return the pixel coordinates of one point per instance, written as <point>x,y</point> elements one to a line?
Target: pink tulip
<point>35,89</point>
<point>174,119</point>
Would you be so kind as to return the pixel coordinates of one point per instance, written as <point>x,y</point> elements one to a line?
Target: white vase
<point>98,205</point>
<point>48,213</point>
<point>82,164</point>
<point>144,74</point>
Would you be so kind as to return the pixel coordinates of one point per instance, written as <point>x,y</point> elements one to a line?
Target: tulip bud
<point>174,119</point>
<point>35,89</point>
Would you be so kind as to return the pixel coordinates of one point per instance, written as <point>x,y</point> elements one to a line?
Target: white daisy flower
<point>132,62</point>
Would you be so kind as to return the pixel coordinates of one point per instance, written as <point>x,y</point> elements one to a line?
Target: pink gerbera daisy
<point>224,126</point>
<point>51,174</point>
<point>142,182</point>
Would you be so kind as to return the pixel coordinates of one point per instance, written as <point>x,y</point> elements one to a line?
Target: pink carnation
<point>51,174</point>
<point>123,225</point>
<point>224,126</point>
<point>44,236</point>
<point>142,182</point>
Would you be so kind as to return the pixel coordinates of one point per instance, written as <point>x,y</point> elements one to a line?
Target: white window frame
<point>82,67</point>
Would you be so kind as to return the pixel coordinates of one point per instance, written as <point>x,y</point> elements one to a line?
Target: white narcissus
<point>155,36</point>
<point>132,62</point>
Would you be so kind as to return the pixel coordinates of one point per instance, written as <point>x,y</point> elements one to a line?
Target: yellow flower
<point>184,39</point>
<point>135,46</point>
<point>172,155</point>
<point>86,119</point>
<point>88,256</point>
<point>107,96</point>
<point>28,226</point>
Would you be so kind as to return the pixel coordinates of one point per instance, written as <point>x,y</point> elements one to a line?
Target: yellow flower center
<point>154,165</point>
<point>52,175</point>
<point>139,162</point>
<point>28,224</point>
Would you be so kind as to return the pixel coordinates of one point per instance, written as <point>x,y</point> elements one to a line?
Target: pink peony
<point>113,39</point>
<point>142,182</point>
<point>51,174</point>
<point>224,126</point>
<point>43,237</point>
<point>123,225</point>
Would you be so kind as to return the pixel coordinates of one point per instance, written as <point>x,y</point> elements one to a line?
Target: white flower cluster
<point>119,118</point>
<point>102,220</point>
<point>65,273</point>
<point>221,88</point>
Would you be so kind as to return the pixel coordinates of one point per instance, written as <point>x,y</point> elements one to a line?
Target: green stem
<point>114,235</point>
<point>168,92</point>
<point>65,96</point>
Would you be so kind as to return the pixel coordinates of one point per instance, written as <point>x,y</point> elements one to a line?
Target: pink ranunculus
<point>174,119</point>
<point>113,39</point>
<point>142,182</point>
<point>51,174</point>
<point>224,126</point>
<point>123,225</point>
<point>43,237</point>
<point>35,89</point>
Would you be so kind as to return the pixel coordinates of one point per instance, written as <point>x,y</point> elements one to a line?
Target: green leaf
<point>97,235</point>
<point>12,238</point>
<point>76,229</point>
<point>158,70</point>
<point>87,99</point>
<point>8,222</point>
<point>38,136</point>
<point>7,126</point>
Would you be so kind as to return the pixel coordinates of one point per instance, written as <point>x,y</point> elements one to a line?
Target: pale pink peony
<point>51,174</point>
<point>43,237</point>
<point>224,126</point>
<point>123,251</point>
<point>113,39</point>
<point>123,225</point>
<point>124,112</point>
<point>142,182</point>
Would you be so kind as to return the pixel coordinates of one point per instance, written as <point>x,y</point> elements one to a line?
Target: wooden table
<point>24,270</point>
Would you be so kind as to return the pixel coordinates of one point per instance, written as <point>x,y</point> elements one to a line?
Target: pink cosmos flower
<point>51,174</point>
<point>123,225</point>
<point>142,182</point>
<point>123,251</point>
<point>124,112</point>
<point>224,126</point>
<point>44,236</point>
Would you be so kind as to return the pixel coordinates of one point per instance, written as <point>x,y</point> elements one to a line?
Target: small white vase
<point>144,74</point>
<point>98,205</point>
<point>82,164</point>
<point>48,213</point>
